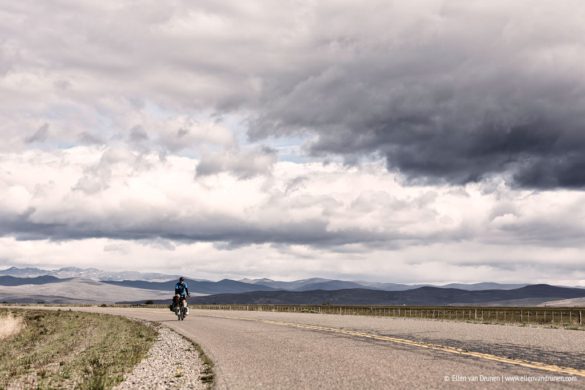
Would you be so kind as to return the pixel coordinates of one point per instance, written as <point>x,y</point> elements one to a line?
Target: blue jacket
<point>182,289</point>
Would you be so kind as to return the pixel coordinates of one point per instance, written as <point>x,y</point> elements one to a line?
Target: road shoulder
<point>173,362</point>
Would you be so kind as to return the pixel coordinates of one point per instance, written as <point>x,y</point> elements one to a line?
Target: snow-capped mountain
<point>87,273</point>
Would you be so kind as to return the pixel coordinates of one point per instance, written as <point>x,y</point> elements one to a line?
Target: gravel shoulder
<point>173,362</point>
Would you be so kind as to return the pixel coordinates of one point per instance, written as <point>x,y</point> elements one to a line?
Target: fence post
<point>580,317</point>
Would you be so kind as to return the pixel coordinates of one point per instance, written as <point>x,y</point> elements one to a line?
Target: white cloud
<point>335,217</point>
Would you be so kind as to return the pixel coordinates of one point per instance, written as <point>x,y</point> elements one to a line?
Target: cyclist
<point>182,290</point>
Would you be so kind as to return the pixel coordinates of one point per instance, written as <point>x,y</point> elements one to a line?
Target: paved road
<point>306,351</point>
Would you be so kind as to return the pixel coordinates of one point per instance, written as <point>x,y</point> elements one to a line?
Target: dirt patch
<point>10,325</point>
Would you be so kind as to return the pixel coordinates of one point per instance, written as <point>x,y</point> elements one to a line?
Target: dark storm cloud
<point>538,153</point>
<point>465,91</point>
<point>445,90</point>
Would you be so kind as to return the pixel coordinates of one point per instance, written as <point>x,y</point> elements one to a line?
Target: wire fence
<point>535,315</point>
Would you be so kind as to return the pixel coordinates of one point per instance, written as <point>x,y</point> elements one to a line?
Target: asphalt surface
<point>253,350</point>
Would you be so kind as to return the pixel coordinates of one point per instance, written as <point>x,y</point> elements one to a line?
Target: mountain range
<point>199,286</point>
<point>74,290</point>
<point>85,273</point>
<point>14,281</point>
<point>91,285</point>
<point>329,284</point>
<point>159,281</point>
<point>422,296</point>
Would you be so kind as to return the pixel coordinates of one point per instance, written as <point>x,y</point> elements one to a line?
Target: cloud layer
<point>300,220</point>
<point>451,91</point>
<point>404,135</point>
<point>120,194</point>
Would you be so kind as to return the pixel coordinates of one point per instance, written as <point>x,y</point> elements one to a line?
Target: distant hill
<point>27,272</point>
<point>295,285</point>
<point>332,284</point>
<point>78,291</point>
<point>432,296</point>
<point>328,284</point>
<point>14,281</point>
<point>309,291</point>
<point>15,276</point>
<point>565,302</point>
<point>85,273</point>
<point>391,286</point>
<point>196,286</point>
<point>483,286</point>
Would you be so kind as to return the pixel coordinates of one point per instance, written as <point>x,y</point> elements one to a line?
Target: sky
<point>429,141</point>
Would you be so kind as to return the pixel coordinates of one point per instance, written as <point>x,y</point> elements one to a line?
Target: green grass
<point>67,349</point>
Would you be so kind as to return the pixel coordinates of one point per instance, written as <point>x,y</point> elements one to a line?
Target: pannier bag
<point>175,303</point>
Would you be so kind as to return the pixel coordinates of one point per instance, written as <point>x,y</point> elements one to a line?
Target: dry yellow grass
<point>10,325</point>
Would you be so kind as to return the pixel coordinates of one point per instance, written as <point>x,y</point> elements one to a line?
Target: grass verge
<point>67,349</point>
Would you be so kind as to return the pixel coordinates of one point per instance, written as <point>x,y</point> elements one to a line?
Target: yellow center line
<point>435,347</point>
